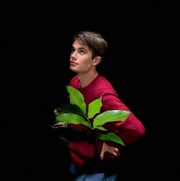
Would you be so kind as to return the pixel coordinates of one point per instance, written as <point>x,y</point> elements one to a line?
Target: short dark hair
<point>94,41</point>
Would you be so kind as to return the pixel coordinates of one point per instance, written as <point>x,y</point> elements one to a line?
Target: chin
<point>72,69</point>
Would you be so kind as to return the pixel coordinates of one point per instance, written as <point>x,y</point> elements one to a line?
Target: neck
<point>87,78</point>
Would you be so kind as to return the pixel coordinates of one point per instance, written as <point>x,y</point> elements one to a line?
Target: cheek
<point>87,67</point>
<point>87,64</point>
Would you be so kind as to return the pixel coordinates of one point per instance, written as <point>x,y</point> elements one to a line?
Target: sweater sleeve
<point>129,130</point>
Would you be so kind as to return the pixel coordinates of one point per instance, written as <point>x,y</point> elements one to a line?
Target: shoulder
<point>103,83</point>
<point>74,81</point>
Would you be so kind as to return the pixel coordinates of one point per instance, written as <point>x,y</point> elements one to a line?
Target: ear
<point>97,60</point>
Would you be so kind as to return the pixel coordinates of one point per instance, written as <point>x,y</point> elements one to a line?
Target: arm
<point>129,130</point>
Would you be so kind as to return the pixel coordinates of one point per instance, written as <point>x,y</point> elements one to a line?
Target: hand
<point>111,149</point>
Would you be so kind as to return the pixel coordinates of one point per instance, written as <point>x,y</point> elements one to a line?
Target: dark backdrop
<point>141,63</point>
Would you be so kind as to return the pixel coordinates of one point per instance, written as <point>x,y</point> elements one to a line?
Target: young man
<point>94,160</point>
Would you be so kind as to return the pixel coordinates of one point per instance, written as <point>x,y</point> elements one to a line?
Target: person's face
<point>80,58</point>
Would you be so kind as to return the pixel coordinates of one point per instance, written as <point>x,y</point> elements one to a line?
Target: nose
<point>74,54</point>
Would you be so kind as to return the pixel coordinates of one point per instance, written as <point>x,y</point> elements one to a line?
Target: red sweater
<point>129,130</point>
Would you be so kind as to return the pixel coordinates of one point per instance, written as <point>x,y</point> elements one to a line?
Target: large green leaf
<point>69,108</point>
<point>71,118</point>
<point>110,116</point>
<point>76,98</point>
<point>111,137</point>
<point>101,128</point>
<point>94,107</point>
<point>75,113</point>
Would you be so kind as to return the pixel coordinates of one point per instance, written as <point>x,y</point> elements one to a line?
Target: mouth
<point>73,63</point>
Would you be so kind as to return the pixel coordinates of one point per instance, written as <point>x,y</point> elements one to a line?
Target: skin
<point>82,63</point>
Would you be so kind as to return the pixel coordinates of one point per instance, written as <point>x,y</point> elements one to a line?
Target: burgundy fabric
<point>129,130</point>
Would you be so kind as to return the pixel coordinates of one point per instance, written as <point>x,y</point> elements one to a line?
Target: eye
<point>72,50</point>
<point>81,51</point>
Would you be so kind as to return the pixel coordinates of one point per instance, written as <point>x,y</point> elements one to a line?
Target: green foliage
<point>76,98</point>
<point>94,107</point>
<point>75,113</point>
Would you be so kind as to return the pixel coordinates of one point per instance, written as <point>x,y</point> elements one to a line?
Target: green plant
<point>75,113</point>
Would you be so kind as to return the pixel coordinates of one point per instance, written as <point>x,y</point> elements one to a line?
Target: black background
<point>141,62</point>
